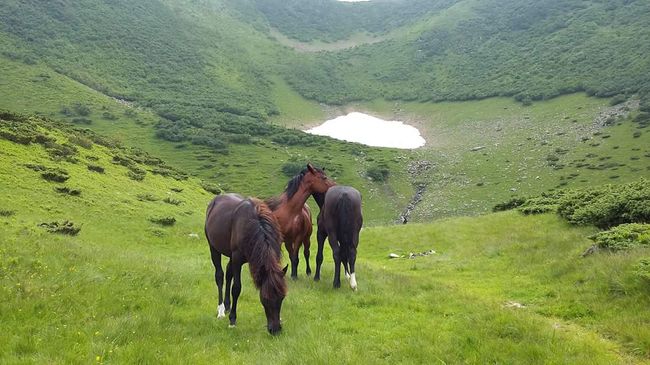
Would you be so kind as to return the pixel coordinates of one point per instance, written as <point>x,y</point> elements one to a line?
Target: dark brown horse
<point>340,219</point>
<point>289,210</point>
<point>246,231</point>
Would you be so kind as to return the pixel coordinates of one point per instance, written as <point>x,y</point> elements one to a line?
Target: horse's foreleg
<point>236,290</point>
<point>228,283</point>
<point>292,249</point>
<point>320,239</point>
<point>306,243</point>
<point>336,254</point>
<point>218,278</point>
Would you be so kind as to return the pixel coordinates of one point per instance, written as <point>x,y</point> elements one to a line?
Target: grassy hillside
<point>474,49</point>
<point>126,289</point>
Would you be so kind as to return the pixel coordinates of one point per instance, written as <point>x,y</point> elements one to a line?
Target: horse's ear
<point>284,271</point>
<point>311,168</point>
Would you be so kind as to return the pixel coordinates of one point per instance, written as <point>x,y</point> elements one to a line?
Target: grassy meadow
<point>500,288</point>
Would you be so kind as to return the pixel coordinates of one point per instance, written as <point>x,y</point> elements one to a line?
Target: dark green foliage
<point>55,175</point>
<point>81,141</point>
<point>531,50</point>
<point>6,213</point>
<point>172,201</point>
<point>510,204</point>
<point>109,116</point>
<point>547,202</point>
<point>96,168</point>
<point>136,173</point>
<point>291,168</point>
<point>163,221</point>
<point>642,270</point>
<point>147,197</point>
<point>617,99</point>
<point>65,227</point>
<point>378,172</point>
<point>607,206</point>
<point>623,237</point>
<point>307,20</point>
<point>81,109</point>
<point>211,188</point>
<point>67,191</point>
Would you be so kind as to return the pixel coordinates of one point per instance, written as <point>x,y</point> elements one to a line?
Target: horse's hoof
<point>316,278</point>
<point>221,311</point>
<point>294,277</point>
<point>231,326</point>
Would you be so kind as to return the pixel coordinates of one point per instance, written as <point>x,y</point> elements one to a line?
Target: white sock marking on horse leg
<point>353,281</point>
<point>221,311</point>
<point>347,275</point>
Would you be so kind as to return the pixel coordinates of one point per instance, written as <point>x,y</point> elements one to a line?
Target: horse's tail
<point>344,227</point>
<point>266,238</point>
<point>207,216</point>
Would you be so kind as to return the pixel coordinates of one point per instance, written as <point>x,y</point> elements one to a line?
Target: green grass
<point>125,290</point>
<point>517,141</point>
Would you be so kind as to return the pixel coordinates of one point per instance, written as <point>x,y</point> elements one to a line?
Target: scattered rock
<point>512,304</point>
<point>478,148</point>
<point>193,235</point>
<point>393,256</point>
<point>65,227</point>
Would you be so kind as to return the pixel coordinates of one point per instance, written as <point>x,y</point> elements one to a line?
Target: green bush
<point>6,213</point>
<point>508,205</point>
<point>623,237</point>
<point>65,227</point>
<point>96,168</point>
<point>642,270</point>
<point>292,168</point>
<point>55,175</point>
<point>378,172</point>
<point>607,206</point>
<point>163,221</point>
<point>211,188</point>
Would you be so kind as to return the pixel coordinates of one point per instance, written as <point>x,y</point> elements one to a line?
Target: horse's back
<point>219,221</point>
<point>341,211</point>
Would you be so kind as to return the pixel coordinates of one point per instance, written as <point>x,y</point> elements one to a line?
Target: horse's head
<point>316,179</point>
<point>271,295</point>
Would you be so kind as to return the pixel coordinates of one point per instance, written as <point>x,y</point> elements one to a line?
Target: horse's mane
<point>290,190</point>
<point>264,260</point>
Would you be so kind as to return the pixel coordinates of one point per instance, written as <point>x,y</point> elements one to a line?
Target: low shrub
<point>136,174</point>
<point>163,221</point>
<point>623,237</point>
<point>7,213</point>
<point>508,205</point>
<point>147,197</point>
<point>67,191</point>
<point>172,201</point>
<point>55,175</point>
<point>211,188</point>
<point>607,206</point>
<point>378,173</point>
<point>96,168</point>
<point>642,270</point>
<point>65,227</point>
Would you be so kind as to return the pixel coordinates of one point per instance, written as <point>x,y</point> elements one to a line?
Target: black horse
<point>339,219</point>
<point>246,231</point>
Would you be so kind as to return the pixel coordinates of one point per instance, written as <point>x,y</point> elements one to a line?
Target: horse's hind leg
<point>218,278</point>
<point>236,290</point>
<point>336,254</point>
<point>352,258</point>
<point>228,282</point>
<point>306,243</point>
<point>320,239</point>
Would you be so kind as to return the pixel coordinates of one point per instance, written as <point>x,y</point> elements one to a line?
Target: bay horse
<point>245,230</point>
<point>294,216</point>
<point>340,220</point>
